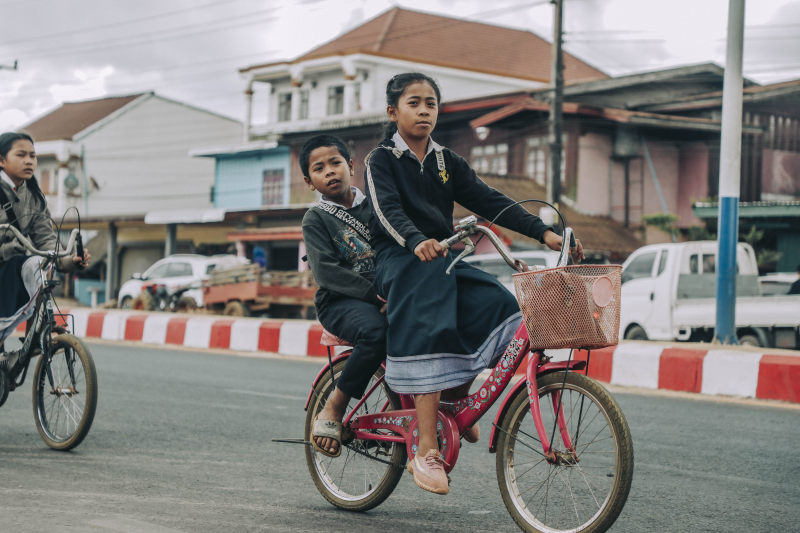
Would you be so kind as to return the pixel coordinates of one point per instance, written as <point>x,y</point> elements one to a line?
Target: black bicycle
<point>65,378</point>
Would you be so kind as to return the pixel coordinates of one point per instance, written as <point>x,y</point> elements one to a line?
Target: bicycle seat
<point>329,339</point>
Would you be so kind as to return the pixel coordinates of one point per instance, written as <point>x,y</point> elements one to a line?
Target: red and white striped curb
<point>286,337</point>
<point>703,369</point>
<point>681,367</point>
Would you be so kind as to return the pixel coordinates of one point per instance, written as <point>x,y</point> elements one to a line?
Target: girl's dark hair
<point>397,86</point>
<point>318,141</point>
<point>7,141</point>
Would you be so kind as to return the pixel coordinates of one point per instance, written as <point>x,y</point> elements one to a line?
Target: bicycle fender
<point>335,359</point>
<point>520,388</point>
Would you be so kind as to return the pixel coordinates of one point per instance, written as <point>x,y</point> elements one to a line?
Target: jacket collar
<point>5,179</point>
<point>360,197</point>
<point>401,145</point>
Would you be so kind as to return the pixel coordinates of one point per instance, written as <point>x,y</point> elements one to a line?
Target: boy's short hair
<point>316,142</point>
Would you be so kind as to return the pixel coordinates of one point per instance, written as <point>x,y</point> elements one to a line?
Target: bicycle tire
<point>588,494</point>
<point>64,412</point>
<point>354,481</point>
<point>5,386</point>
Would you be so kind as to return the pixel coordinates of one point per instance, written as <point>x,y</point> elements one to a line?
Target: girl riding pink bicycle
<point>447,323</point>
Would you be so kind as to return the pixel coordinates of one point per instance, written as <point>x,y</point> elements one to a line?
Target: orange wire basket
<point>574,306</point>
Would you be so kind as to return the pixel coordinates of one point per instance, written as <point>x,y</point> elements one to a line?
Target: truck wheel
<point>186,304</point>
<point>144,302</point>
<point>125,303</point>
<point>636,333</point>
<point>235,308</point>
<point>749,340</point>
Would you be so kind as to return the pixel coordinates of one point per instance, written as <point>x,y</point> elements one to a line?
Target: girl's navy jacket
<point>413,202</point>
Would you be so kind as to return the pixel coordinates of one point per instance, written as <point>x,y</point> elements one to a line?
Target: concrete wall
<point>140,159</point>
<point>693,181</point>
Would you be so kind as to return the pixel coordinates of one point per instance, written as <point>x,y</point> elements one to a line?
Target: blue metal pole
<point>729,176</point>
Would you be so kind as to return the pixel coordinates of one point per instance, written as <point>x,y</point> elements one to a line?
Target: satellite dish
<point>71,182</point>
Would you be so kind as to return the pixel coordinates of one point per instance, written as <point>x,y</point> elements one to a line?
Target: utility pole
<point>7,67</point>
<point>556,103</point>
<point>730,161</point>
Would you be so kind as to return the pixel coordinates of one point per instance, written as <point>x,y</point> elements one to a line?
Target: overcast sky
<point>191,50</point>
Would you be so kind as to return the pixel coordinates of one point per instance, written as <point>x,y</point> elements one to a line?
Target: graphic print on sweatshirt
<point>355,250</point>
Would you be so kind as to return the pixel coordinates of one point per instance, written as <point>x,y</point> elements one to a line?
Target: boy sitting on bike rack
<point>342,261</point>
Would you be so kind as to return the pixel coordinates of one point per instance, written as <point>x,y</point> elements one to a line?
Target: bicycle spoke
<point>575,487</point>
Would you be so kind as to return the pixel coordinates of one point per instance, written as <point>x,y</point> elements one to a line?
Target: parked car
<point>495,265</point>
<point>176,272</point>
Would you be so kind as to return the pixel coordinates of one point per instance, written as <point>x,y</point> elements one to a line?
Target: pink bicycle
<point>575,480</point>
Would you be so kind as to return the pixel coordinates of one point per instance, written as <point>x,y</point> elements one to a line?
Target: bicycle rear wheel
<point>585,488</point>
<point>65,393</point>
<point>366,472</point>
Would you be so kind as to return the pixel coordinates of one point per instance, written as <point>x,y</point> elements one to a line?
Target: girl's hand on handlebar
<point>429,250</point>
<point>82,262</point>
<point>553,241</point>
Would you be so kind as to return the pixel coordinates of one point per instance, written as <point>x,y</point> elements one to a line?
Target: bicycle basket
<point>570,307</point>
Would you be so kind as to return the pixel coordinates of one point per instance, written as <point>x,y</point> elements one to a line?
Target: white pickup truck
<point>669,293</point>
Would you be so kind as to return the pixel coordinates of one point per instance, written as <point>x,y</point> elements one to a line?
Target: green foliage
<point>753,236</point>
<point>767,258</point>
<point>663,221</point>
<point>700,233</point>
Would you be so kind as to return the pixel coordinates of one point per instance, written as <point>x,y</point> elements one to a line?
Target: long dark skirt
<point>12,291</point>
<point>443,329</point>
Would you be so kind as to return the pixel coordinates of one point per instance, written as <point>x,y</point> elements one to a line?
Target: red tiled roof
<point>456,43</point>
<point>74,117</point>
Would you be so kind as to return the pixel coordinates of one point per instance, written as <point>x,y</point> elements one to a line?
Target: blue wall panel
<point>239,178</point>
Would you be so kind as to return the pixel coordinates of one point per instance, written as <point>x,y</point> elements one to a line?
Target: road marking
<point>268,394</point>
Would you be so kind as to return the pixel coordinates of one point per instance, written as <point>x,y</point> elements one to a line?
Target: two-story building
<point>124,161</point>
<point>339,86</point>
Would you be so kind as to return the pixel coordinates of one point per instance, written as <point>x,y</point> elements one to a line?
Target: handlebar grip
<point>79,245</point>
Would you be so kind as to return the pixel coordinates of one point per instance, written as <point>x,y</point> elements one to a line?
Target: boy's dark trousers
<point>364,326</point>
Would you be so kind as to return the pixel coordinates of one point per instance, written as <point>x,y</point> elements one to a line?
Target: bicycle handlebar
<point>26,243</point>
<point>469,226</point>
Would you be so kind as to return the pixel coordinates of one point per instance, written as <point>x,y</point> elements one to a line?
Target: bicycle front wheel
<point>65,393</point>
<point>367,471</point>
<point>584,486</point>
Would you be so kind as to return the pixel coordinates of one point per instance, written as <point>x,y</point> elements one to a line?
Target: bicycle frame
<point>456,417</point>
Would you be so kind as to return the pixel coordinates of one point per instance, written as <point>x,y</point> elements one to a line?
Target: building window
<point>303,111</point>
<point>536,159</point>
<point>44,181</point>
<point>284,107</point>
<point>490,159</point>
<point>336,100</point>
<point>272,188</point>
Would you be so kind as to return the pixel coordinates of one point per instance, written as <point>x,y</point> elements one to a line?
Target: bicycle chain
<point>384,461</point>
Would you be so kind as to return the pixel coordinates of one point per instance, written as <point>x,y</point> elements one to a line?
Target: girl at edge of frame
<point>29,206</point>
<point>443,329</point>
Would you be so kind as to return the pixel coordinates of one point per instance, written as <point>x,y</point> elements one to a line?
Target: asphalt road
<point>181,442</point>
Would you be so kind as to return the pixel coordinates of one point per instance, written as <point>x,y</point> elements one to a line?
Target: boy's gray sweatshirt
<point>342,261</point>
